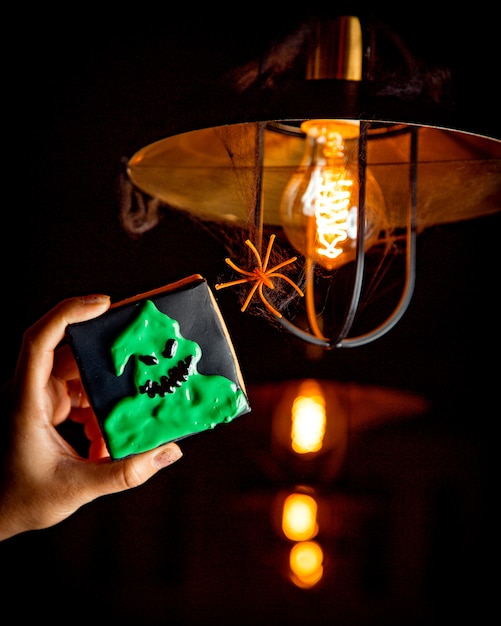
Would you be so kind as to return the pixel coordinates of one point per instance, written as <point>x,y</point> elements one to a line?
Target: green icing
<point>173,399</point>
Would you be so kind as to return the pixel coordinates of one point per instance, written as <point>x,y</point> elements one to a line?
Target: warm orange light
<point>319,207</point>
<point>306,564</point>
<point>308,418</point>
<point>299,517</point>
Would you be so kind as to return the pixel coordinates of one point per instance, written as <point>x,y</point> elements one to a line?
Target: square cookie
<point>158,367</point>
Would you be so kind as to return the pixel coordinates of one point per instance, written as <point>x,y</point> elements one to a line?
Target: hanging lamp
<point>327,177</point>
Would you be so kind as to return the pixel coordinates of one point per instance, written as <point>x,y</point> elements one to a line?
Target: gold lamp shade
<point>211,172</point>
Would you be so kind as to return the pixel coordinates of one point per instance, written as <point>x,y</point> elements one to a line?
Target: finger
<point>115,476</point>
<point>40,340</point>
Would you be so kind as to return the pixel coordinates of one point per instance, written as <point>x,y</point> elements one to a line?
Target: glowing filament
<point>328,197</point>
<point>319,206</point>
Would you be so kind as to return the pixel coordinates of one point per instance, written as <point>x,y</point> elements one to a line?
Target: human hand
<point>44,480</point>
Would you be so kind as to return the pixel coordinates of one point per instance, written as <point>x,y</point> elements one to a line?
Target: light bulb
<point>319,206</point>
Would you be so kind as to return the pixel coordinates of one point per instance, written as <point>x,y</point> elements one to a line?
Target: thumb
<point>115,476</point>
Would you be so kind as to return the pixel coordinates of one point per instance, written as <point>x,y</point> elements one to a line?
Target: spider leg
<point>286,278</point>
<point>266,303</point>
<point>232,283</point>
<point>238,269</point>
<point>277,267</point>
<point>249,297</point>
<point>256,253</point>
<point>268,252</point>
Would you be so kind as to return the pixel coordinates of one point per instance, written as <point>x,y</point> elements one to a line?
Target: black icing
<point>176,377</point>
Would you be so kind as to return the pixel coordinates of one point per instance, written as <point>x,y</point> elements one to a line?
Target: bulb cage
<point>342,338</point>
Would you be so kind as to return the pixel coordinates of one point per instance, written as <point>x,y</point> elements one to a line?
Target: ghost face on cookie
<point>163,358</point>
<point>172,399</point>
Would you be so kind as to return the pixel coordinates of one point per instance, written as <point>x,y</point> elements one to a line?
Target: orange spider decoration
<point>261,275</point>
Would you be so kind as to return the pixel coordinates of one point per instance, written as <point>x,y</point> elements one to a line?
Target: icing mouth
<point>176,376</point>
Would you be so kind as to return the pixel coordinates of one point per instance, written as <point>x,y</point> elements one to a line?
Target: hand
<point>44,480</point>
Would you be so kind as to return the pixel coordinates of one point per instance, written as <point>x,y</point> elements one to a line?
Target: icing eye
<point>170,348</point>
<point>148,359</point>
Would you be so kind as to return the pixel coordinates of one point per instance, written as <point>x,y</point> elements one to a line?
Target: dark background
<point>411,540</point>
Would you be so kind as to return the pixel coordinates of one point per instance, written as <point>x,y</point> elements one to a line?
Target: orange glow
<point>308,418</point>
<point>319,207</point>
<point>299,517</point>
<point>306,564</point>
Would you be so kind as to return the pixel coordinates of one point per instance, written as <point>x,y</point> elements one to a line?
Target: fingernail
<point>167,456</point>
<point>94,298</point>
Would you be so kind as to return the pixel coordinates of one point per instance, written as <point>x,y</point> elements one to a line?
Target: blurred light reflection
<point>306,564</point>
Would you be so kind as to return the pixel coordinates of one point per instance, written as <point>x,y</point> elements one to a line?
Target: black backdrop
<point>195,544</point>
